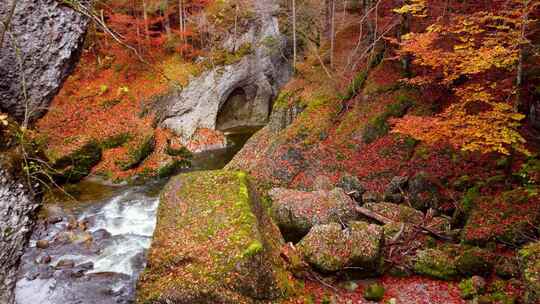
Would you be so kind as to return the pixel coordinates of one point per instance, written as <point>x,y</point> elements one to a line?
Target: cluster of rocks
<point>342,228</point>
<point>332,233</point>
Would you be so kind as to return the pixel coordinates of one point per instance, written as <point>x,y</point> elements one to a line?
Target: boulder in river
<point>214,243</point>
<point>295,212</point>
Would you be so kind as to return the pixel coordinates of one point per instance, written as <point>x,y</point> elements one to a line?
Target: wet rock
<point>65,29</point>
<point>42,244</point>
<point>101,234</point>
<point>529,257</point>
<point>86,266</point>
<point>220,230</point>
<point>54,219</point>
<point>295,212</point>
<point>329,248</point>
<point>63,264</point>
<point>352,186</point>
<point>397,213</point>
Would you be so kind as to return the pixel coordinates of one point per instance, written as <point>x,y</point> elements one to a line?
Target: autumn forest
<point>269,151</point>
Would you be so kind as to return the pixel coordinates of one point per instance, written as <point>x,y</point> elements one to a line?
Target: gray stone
<point>50,36</point>
<point>248,85</point>
<point>329,248</point>
<point>295,212</point>
<point>17,209</point>
<point>352,186</point>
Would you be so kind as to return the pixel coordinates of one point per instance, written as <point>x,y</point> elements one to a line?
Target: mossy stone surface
<point>213,244</point>
<point>374,292</point>
<point>529,257</point>
<point>326,247</point>
<point>436,263</point>
<point>78,164</point>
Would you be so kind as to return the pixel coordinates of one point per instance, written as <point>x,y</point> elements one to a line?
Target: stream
<point>92,251</point>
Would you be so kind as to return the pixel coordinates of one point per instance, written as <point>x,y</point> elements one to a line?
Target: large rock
<point>530,262</point>
<point>17,209</point>
<point>236,95</point>
<point>49,36</point>
<point>509,218</point>
<point>295,212</point>
<point>329,248</point>
<point>397,213</point>
<point>213,243</point>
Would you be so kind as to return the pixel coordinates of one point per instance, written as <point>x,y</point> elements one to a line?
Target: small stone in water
<point>65,264</point>
<point>86,266</point>
<point>54,219</point>
<point>42,244</point>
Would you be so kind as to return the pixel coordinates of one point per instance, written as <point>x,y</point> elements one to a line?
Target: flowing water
<point>96,246</point>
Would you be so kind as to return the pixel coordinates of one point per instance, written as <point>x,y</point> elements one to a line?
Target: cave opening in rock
<point>235,113</point>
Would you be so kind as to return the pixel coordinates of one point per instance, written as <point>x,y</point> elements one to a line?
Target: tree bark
<point>7,23</point>
<point>294,33</point>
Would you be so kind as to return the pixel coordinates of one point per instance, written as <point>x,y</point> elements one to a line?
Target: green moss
<point>378,126</point>
<point>355,86</point>
<point>436,263</point>
<point>254,248</point>
<point>172,168</point>
<point>77,165</point>
<point>468,289</point>
<point>139,153</point>
<point>474,261</point>
<point>213,243</point>
<point>115,141</point>
<point>180,152</point>
<point>374,292</point>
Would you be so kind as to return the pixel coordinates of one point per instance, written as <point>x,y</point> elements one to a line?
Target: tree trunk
<point>332,34</point>
<point>294,33</point>
<point>145,18</point>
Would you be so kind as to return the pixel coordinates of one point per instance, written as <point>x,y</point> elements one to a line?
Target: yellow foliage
<point>416,8</point>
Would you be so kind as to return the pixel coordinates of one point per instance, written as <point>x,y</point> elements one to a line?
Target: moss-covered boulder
<point>78,164</point>
<point>436,263</point>
<point>213,243</point>
<point>530,266</point>
<point>510,218</point>
<point>326,247</point>
<point>295,212</point>
<point>329,248</point>
<point>139,152</point>
<point>450,262</point>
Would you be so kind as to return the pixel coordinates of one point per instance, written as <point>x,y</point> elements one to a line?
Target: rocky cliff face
<point>249,84</point>
<point>17,206</point>
<point>39,50</point>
